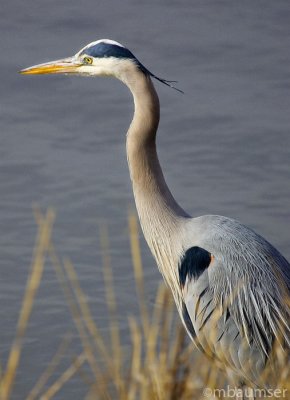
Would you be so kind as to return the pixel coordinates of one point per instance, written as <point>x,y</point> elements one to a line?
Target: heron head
<point>100,58</point>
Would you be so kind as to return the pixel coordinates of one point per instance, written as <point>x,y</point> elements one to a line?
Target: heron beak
<point>64,66</point>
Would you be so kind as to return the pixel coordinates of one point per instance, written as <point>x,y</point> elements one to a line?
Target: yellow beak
<point>65,66</point>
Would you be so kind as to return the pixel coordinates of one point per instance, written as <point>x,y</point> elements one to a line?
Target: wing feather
<point>238,303</point>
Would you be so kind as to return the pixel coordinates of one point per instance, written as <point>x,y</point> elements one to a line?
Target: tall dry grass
<point>162,364</point>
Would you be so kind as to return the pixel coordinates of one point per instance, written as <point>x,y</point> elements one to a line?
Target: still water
<point>224,145</point>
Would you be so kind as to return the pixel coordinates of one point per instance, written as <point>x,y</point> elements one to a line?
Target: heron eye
<point>87,60</point>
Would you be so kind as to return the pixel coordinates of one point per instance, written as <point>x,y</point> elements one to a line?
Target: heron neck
<point>156,207</point>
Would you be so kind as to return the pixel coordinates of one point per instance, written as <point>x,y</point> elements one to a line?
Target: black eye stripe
<point>103,50</point>
<point>106,50</point>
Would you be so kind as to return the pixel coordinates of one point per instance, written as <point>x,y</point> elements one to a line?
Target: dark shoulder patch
<point>193,263</point>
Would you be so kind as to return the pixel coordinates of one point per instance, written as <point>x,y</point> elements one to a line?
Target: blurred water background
<point>224,145</point>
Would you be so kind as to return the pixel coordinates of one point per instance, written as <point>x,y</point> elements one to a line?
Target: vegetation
<point>162,364</point>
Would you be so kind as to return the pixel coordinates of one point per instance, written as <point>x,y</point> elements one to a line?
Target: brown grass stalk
<point>65,377</point>
<point>34,279</point>
<point>44,377</point>
<point>163,365</point>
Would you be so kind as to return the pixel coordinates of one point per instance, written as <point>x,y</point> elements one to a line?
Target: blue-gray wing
<point>235,288</point>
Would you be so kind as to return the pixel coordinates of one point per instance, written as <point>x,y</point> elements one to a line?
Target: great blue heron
<point>229,284</point>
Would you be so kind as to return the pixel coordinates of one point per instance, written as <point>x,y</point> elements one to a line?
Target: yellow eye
<point>88,60</point>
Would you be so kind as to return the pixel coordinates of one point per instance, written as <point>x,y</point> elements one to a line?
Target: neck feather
<point>159,213</point>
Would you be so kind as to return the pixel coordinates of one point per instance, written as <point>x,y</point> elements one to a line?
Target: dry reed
<point>162,364</point>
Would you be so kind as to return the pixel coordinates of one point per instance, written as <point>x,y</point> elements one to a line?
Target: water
<point>224,145</point>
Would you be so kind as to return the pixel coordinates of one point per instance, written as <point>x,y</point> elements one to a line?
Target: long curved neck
<point>158,211</point>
